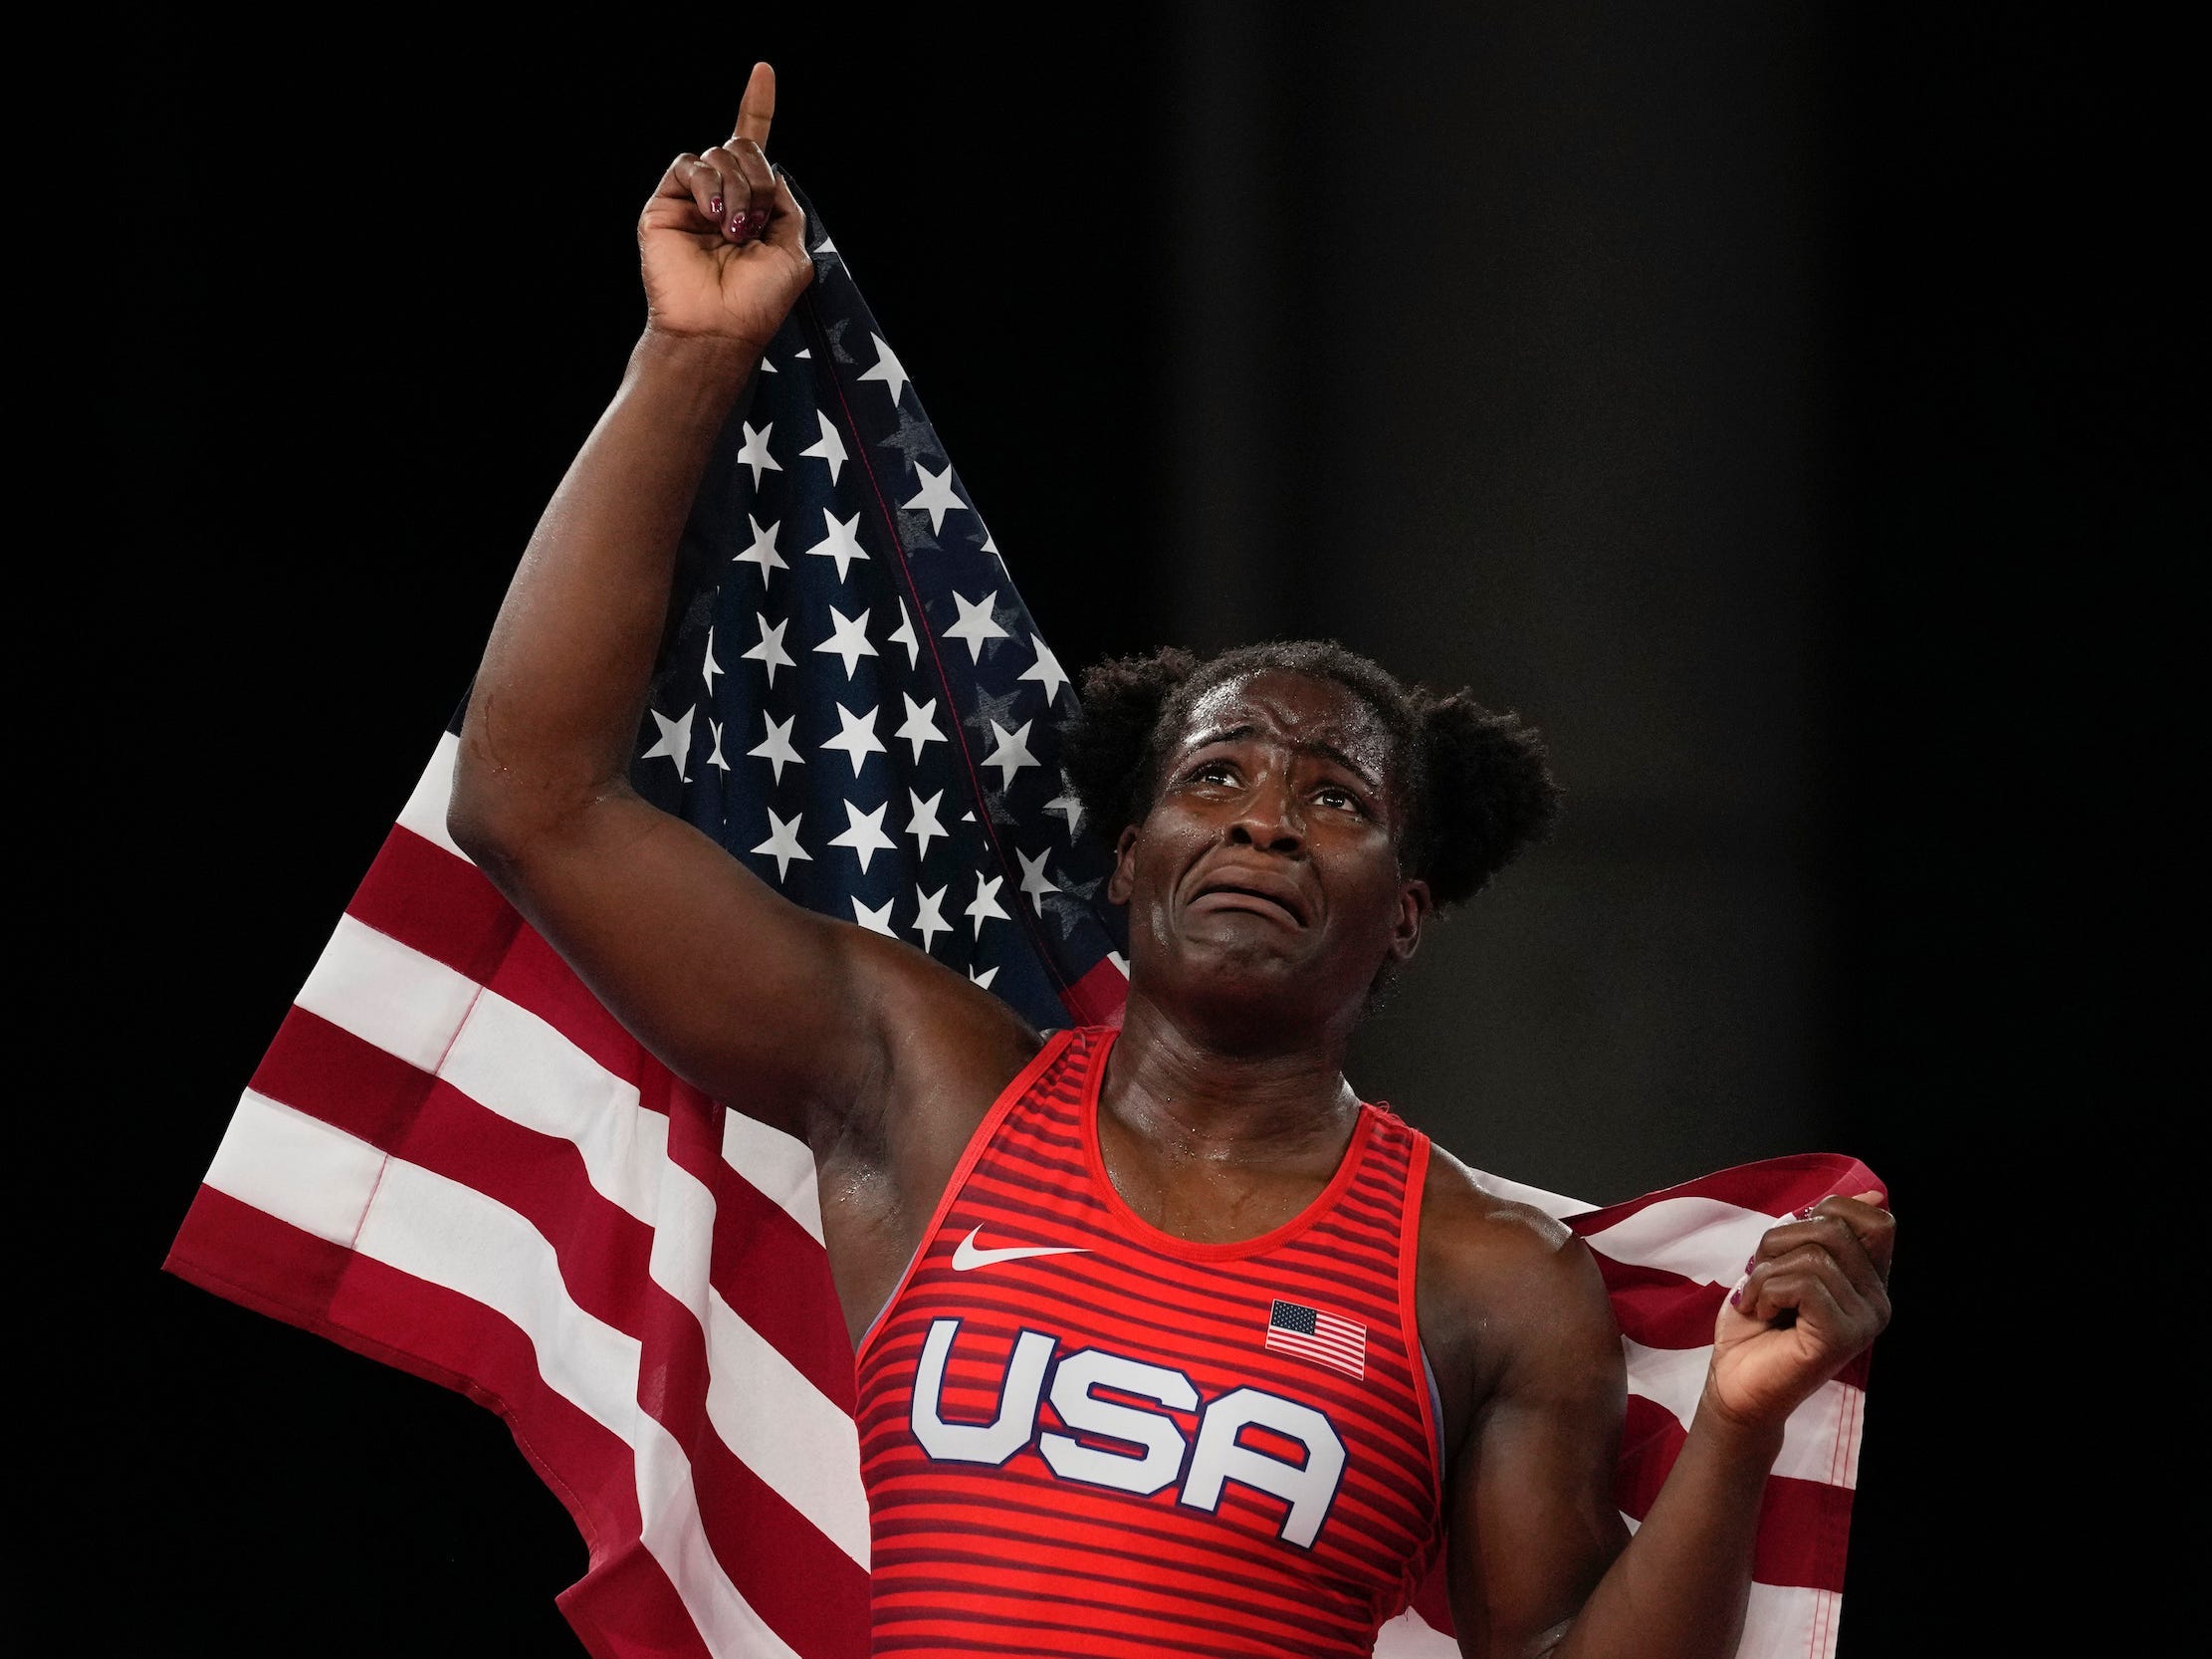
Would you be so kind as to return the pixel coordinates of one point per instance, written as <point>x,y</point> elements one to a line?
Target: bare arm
<point>1541,1565</point>
<point>751,998</point>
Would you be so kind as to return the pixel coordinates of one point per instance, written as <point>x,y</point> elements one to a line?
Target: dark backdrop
<point>1705,384</point>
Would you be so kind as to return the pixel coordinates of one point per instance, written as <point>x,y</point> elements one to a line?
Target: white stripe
<point>1783,1621</point>
<point>1701,1239</point>
<point>296,1168</point>
<point>451,1234</point>
<point>1410,1636</point>
<point>782,1427</point>
<point>509,1061</point>
<point>512,1063</point>
<point>424,812</point>
<point>1820,1442</point>
<point>779,1165</point>
<point>766,1411</point>
<point>388,994</point>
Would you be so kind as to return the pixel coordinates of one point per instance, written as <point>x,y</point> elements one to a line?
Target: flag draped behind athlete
<point>452,1158</point>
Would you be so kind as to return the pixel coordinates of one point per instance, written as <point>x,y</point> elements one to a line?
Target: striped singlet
<point>1084,1438</point>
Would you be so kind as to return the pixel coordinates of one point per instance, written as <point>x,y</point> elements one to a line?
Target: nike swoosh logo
<point>967,1257</point>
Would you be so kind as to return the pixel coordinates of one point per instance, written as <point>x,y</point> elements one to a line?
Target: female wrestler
<point>1166,1342</point>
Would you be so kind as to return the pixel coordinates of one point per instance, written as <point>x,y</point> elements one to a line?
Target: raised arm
<point>1541,1565</point>
<point>751,998</point>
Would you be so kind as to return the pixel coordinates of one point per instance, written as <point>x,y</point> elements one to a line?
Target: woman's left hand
<point>1813,1296</point>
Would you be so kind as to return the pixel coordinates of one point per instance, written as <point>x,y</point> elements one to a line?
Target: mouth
<point>1254,895</point>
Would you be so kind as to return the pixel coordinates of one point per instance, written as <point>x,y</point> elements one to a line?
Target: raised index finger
<point>757,110</point>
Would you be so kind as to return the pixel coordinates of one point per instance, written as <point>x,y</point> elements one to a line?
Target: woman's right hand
<point>720,242</point>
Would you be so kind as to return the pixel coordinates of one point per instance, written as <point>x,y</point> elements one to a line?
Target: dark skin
<point>1265,891</point>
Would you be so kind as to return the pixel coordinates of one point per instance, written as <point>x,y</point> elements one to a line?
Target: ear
<point>1123,879</point>
<point>1415,907</point>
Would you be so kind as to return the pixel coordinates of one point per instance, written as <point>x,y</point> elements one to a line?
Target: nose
<point>1268,817</point>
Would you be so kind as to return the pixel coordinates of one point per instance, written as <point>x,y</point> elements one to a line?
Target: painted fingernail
<point>1736,1297</point>
<point>714,206</point>
<point>1749,1265</point>
<point>1806,1214</point>
<point>737,227</point>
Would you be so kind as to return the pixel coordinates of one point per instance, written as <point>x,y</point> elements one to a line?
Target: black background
<point>1776,366</point>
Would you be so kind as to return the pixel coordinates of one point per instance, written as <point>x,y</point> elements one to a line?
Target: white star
<point>921,724</point>
<point>776,748</point>
<point>990,546</point>
<point>986,905</point>
<point>711,667</point>
<point>1046,668</point>
<point>1120,961</point>
<point>983,979</point>
<point>1013,752</point>
<point>1069,807</point>
<point>875,921</point>
<point>715,759</point>
<point>803,351</point>
<point>1034,882</point>
<point>768,368</point>
<point>931,922</point>
<point>936,495</point>
<point>904,635</point>
<point>887,370</point>
<point>674,743</point>
<point>976,624</point>
<point>923,825</point>
<point>848,638</point>
<point>841,541</point>
<point>864,832</point>
<point>771,648</point>
<point>782,844</point>
<point>763,550</point>
<point>755,454</point>
<point>830,450</point>
<point>857,738</point>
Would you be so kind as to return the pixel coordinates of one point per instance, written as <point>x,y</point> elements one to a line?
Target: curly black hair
<point>1473,782</point>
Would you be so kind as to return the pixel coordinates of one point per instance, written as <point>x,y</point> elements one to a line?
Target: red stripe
<point>1098,996</point>
<point>440,905</point>
<point>763,1261</point>
<point>624,1605</point>
<point>605,1256</point>
<point>1657,1308</point>
<point>1801,1525</point>
<point>1773,1187</point>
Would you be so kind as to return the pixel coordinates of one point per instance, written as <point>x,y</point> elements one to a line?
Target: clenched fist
<point>719,240</point>
<point>1812,1297</point>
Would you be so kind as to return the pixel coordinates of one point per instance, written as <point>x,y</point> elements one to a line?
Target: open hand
<point>1813,1296</point>
<point>719,240</point>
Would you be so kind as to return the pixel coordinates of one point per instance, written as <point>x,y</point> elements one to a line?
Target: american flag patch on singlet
<point>1293,1327</point>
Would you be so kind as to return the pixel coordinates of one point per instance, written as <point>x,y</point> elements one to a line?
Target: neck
<point>1189,1097</point>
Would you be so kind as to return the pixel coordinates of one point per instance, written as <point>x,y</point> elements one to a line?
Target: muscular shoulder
<point>1503,1291</point>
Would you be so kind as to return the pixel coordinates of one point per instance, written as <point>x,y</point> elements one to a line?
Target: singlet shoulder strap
<point>1056,1046</point>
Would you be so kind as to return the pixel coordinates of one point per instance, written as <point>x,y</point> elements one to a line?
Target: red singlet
<point>1081,1436</point>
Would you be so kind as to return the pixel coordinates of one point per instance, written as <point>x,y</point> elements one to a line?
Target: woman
<point>1282,1343</point>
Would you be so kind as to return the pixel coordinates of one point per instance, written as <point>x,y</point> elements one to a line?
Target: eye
<point>1216,771</point>
<point>1336,795</point>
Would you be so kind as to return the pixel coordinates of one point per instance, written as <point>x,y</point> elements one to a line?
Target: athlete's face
<point>1265,878</point>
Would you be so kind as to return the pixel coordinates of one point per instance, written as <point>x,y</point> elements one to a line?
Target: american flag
<point>454,1160</point>
<point>1325,1338</point>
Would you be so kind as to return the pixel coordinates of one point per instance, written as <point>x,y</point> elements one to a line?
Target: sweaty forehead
<point>1299,709</point>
